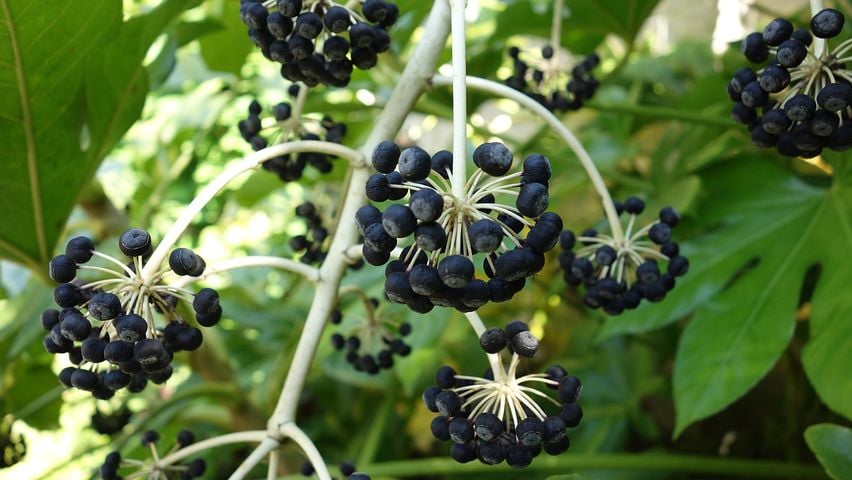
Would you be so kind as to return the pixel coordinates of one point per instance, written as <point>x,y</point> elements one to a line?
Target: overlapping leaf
<point>73,83</point>
<point>768,229</point>
<point>832,445</point>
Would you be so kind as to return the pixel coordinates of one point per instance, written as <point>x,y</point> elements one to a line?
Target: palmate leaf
<point>769,229</point>
<point>753,319</point>
<point>72,83</point>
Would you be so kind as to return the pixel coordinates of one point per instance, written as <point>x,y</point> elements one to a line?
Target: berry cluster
<point>545,78</point>
<point>108,423</point>
<point>801,102</point>
<point>496,417</point>
<point>449,230</point>
<point>318,41</point>
<point>311,243</point>
<point>347,469</point>
<point>154,469</point>
<point>113,319</point>
<point>618,274</point>
<point>371,344</point>
<point>288,127</point>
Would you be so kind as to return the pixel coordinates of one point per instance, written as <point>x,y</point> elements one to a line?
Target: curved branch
<point>231,172</point>
<point>307,272</point>
<point>293,432</point>
<point>586,161</point>
<point>206,444</point>
<point>265,448</point>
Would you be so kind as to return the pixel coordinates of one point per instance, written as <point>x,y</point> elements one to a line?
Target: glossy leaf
<point>832,445</point>
<point>747,277</point>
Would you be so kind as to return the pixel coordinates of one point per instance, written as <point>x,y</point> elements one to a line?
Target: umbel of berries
<point>319,41</point>
<point>548,77</point>
<point>288,127</point>
<point>372,342</point>
<point>122,330</point>
<point>801,101</point>
<point>311,244</point>
<point>499,223</point>
<point>618,273</point>
<point>114,462</point>
<point>503,415</point>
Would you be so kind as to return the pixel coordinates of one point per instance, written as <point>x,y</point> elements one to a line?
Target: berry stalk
<point>819,43</point>
<point>556,30</point>
<point>493,358</point>
<point>586,161</point>
<point>459,100</point>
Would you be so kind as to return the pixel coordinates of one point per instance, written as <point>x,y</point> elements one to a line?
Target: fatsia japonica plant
<point>524,253</point>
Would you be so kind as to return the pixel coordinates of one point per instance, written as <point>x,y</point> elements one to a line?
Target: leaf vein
<point>29,136</point>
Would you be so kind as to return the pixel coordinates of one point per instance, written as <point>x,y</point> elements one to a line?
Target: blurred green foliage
<point>751,348</point>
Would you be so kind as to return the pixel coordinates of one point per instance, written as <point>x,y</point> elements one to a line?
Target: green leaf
<point>828,353</point>
<point>771,228</point>
<point>523,18</point>
<point>57,67</point>
<point>621,17</point>
<point>832,445</point>
<point>117,82</point>
<point>226,49</point>
<point>43,64</point>
<point>27,384</point>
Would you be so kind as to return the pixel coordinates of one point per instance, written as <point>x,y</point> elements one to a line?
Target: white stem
<point>476,323</point>
<point>272,470</point>
<point>239,437</point>
<point>556,29</point>
<point>231,172</point>
<point>309,273</point>
<point>819,43</point>
<point>493,358</point>
<point>293,432</point>
<point>299,103</point>
<point>265,448</point>
<point>459,100</point>
<point>414,79</point>
<point>586,161</point>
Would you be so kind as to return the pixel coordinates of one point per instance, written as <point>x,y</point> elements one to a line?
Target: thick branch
<point>414,79</point>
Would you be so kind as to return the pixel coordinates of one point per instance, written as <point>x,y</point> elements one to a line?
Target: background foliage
<point>747,359</point>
